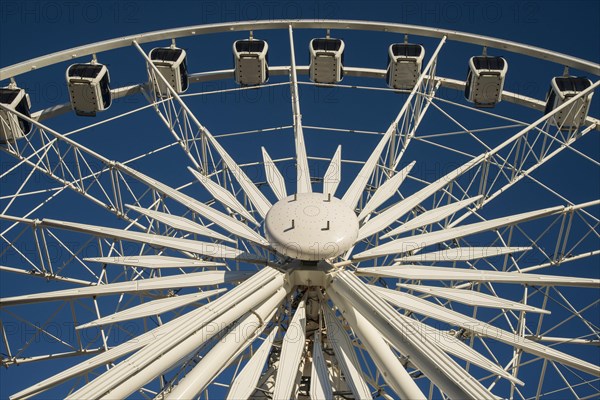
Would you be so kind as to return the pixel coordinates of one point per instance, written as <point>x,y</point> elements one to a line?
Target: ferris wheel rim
<point>242,164</point>
<point>14,70</point>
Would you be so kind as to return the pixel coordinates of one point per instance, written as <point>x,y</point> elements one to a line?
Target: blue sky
<point>33,28</point>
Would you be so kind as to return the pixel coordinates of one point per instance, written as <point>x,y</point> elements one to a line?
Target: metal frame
<point>187,339</point>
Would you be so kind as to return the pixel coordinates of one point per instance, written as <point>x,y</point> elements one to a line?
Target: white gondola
<point>326,60</point>
<point>404,65</point>
<point>172,64</point>
<point>251,62</point>
<point>562,88</point>
<point>485,80</point>
<point>13,127</point>
<point>89,88</point>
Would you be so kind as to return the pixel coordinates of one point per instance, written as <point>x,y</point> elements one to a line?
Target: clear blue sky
<point>33,28</point>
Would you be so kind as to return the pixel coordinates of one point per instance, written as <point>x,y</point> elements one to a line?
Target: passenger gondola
<point>485,80</point>
<point>89,88</point>
<point>326,60</point>
<point>404,65</point>
<point>12,126</point>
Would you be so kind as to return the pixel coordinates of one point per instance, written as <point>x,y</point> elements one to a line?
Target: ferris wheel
<point>300,259</point>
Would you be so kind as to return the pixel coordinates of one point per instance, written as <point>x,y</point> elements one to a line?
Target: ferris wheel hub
<point>311,227</point>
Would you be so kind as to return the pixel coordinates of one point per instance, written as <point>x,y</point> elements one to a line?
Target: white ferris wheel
<point>299,259</point>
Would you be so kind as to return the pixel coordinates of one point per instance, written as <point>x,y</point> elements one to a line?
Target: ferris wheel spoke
<point>387,363</point>
<point>444,314</point>
<point>180,223</point>
<point>194,329</point>
<point>422,272</point>
<point>254,194</point>
<point>293,347</point>
<point>453,254</point>
<point>356,189</point>
<point>345,355</point>
<point>471,297</point>
<point>112,354</point>
<point>404,334</point>
<point>394,212</point>
<point>155,262</point>
<point>228,223</point>
<point>274,177</point>
<point>302,171</point>
<point>154,307</point>
<point>454,346</point>
<point>224,196</point>
<point>333,175</point>
<point>430,217</point>
<point>246,381</point>
<point>241,335</point>
<point>416,242</point>
<point>320,387</point>
<point>385,191</point>
<point>387,217</point>
<point>193,246</point>
<point>194,279</point>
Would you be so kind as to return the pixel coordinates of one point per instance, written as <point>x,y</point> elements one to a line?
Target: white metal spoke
<point>430,291</point>
<point>258,199</point>
<point>354,192</point>
<point>333,175</point>
<point>302,170</point>
<point>274,177</point>
<point>291,353</point>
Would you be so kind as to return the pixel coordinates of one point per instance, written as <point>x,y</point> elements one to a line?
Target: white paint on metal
<point>345,355</point>
<point>416,242</point>
<point>453,254</point>
<point>246,381</point>
<point>440,313</point>
<point>244,26</point>
<point>302,170</point>
<point>228,223</point>
<point>387,363</point>
<point>356,189</point>
<point>404,334</point>
<point>193,246</point>
<point>431,217</point>
<point>420,272</point>
<point>311,226</point>
<point>473,298</point>
<point>222,354</point>
<point>320,383</point>
<point>154,307</point>
<point>333,175</point>
<point>223,195</point>
<point>155,262</point>
<point>399,209</point>
<point>385,191</point>
<point>181,223</point>
<point>274,177</point>
<point>292,349</point>
<point>161,354</point>
<point>254,194</point>
<point>205,278</point>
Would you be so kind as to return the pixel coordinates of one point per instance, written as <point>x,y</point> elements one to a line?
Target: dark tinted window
<point>326,44</point>
<point>7,96</point>
<point>491,63</point>
<point>250,46</point>
<point>105,90</point>
<point>165,54</point>
<point>572,84</point>
<point>183,75</point>
<point>407,50</point>
<point>85,70</point>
